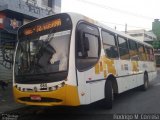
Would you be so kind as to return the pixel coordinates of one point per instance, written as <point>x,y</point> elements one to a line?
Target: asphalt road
<point>133,101</point>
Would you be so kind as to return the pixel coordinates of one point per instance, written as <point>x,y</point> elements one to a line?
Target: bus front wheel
<point>108,95</point>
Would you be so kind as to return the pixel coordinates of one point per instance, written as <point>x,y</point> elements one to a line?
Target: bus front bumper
<point>67,95</point>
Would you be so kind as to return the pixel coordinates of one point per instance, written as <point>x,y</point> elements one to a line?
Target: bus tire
<point>108,101</point>
<point>145,86</point>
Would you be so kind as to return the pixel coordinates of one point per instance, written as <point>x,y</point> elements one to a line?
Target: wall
<point>57,6</point>
<point>5,74</point>
<point>22,12</point>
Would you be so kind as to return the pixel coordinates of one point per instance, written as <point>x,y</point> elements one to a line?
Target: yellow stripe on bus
<point>106,66</point>
<point>110,65</point>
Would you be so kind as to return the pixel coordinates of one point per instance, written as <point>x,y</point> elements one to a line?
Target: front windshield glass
<point>43,56</point>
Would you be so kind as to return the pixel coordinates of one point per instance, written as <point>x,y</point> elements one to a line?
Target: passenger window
<point>149,54</point>
<point>108,38</point>
<point>87,46</point>
<point>90,46</point>
<point>109,44</point>
<point>142,54</point>
<point>133,50</point>
<point>123,48</point>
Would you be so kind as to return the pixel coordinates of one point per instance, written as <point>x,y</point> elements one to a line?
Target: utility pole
<point>115,27</point>
<point>125,28</point>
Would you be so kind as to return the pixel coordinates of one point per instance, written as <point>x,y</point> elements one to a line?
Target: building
<point>13,14</point>
<point>143,35</point>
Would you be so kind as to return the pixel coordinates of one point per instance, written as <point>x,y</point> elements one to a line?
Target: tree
<point>156,44</point>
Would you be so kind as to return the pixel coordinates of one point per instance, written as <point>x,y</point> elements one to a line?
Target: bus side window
<point>87,46</point>
<point>141,51</point>
<point>133,50</point>
<point>150,54</point>
<point>123,48</point>
<point>147,53</point>
<point>82,45</point>
<point>109,44</point>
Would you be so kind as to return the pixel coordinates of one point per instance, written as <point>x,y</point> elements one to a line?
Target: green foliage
<point>156,29</point>
<point>156,44</point>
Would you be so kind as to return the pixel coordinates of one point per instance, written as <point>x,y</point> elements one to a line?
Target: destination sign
<point>45,26</point>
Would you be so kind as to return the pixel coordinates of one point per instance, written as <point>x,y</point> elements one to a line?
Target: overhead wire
<point>115,9</point>
<point>124,25</point>
<point>120,11</point>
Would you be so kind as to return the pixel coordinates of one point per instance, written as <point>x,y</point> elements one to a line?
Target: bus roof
<point>77,17</point>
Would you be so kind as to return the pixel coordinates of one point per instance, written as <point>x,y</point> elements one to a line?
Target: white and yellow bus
<point>69,59</point>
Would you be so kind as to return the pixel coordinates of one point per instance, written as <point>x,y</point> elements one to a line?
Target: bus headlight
<point>19,88</point>
<point>61,85</point>
<point>52,88</point>
<point>23,89</point>
<point>35,89</point>
<point>56,87</point>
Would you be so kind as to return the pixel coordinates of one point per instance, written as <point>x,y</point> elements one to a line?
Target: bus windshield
<point>42,53</point>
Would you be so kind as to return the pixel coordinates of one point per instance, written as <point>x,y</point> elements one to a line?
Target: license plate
<point>35,97</point>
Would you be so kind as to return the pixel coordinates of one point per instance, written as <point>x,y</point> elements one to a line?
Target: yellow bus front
<point>41,63</point>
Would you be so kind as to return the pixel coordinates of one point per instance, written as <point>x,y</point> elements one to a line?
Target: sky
<point>137,14</point>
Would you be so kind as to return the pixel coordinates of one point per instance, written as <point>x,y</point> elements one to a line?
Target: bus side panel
<point>140,80</point>
<point>122,84</point>
<point>97,90</point>
<point>125,79</point>
<point>90,86</point>
<point>83,88</point>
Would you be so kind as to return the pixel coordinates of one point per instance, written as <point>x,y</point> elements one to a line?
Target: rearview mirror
<point>86,43</point>
<point>48,48</point>
<point>83,46</point>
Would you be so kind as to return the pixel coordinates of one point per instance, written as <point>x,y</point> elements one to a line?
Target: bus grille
<point>43,99</point>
